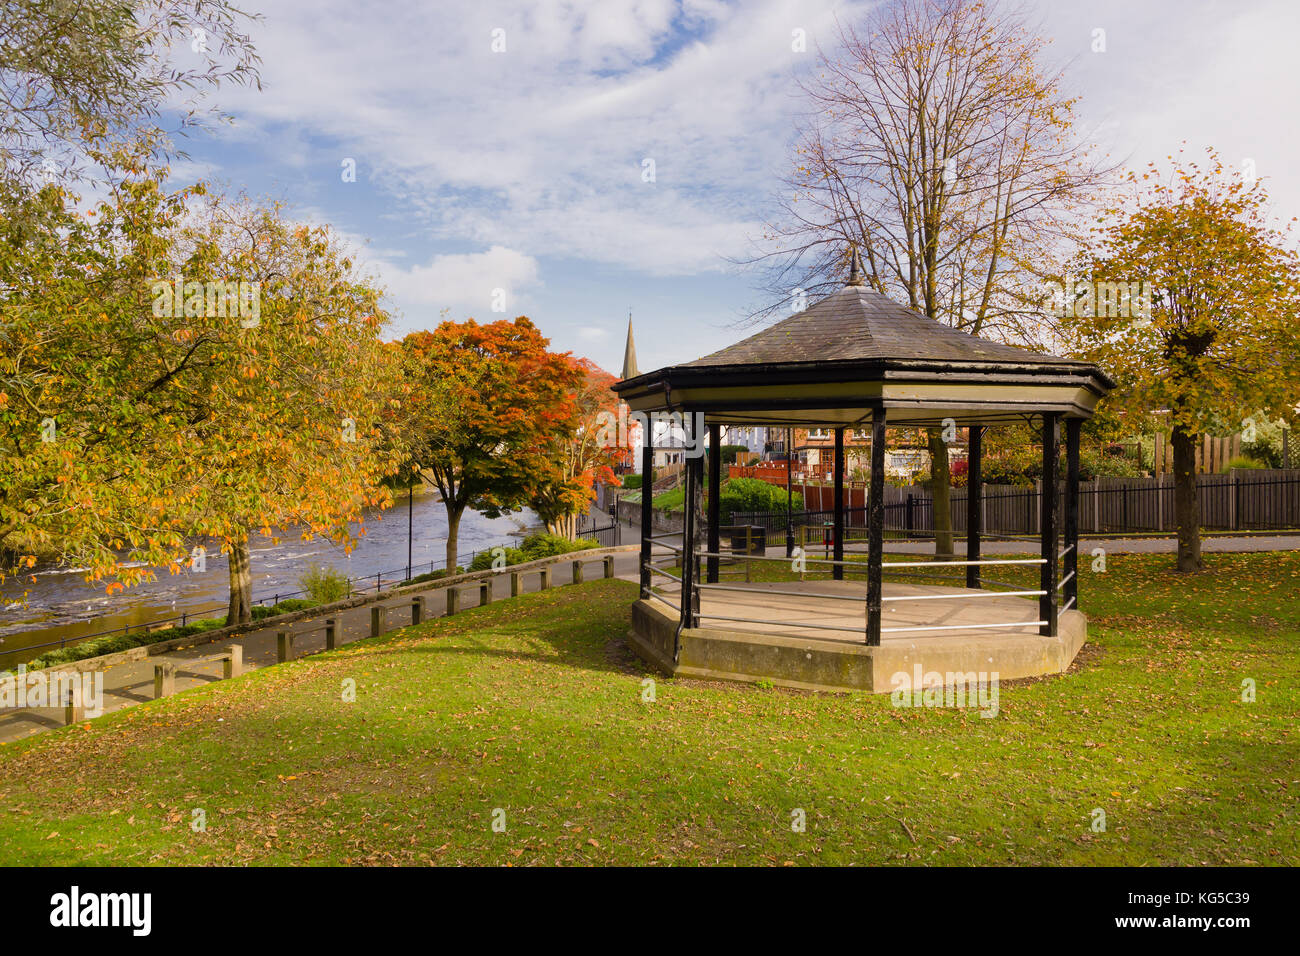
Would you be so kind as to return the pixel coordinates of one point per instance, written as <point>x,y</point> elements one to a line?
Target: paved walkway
<point>1225,543</point>
<point>1151,545</point>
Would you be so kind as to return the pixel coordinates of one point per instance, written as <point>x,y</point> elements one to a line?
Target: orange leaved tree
<point>490,408</point>
<point>583,457</point>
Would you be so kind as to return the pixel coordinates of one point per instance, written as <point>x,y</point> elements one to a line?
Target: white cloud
<point>540,148</point>
<point>466,284</point>
<point>536,153</point>
<point>1203,72</point>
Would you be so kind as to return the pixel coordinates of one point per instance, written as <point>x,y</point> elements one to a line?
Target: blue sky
<point>522,170</point>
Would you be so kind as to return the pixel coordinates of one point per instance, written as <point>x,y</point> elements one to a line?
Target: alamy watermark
<point>19,690</point>
<point>212,299</point>
<point>1079,298</point>
<point>75,908</point>
<point>976,690</point>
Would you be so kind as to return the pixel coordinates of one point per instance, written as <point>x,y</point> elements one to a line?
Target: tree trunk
<point>940,493</point>
<point>1187,509</point>
<point>241,584</point>
<point>453,529</point>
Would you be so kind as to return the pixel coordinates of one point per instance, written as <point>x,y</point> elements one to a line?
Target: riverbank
<point>57,605</point>
<point>128,676</point>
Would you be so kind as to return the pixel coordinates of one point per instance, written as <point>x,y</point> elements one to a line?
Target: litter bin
<point>748,539</point>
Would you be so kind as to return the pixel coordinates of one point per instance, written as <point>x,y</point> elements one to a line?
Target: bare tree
<point>938,144</point>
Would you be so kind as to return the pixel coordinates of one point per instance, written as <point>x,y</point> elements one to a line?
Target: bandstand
<point>856,359</point>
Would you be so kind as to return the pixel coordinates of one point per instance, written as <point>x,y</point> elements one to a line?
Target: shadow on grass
<point>580,625</point>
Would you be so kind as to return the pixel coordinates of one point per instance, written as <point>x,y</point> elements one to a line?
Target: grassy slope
<point>533,707</point>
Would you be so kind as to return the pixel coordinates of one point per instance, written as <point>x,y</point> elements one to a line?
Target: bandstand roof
<point>856,349</point>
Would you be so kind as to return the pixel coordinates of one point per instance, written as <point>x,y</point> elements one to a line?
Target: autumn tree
<point>172,371</point>
<point>82,374</point>
<point>583,457</point>
<point>940,147</point>
<point>99,73</point>
<point>1220,341</point>
<point>490,410</point>
<point>286,390</point>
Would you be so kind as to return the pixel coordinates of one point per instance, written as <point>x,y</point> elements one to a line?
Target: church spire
<point>629,352</point>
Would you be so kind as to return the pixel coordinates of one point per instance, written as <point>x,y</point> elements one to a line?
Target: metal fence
<point>608,536</point>
<point>1242,501</point>
<point>381,581</point>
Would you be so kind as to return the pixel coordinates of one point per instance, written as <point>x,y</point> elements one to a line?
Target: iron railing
<point>1238,502</point>
<point>925,569</point>
<point>359,586</point>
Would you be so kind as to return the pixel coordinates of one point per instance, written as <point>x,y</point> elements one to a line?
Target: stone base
<point>845,664</point>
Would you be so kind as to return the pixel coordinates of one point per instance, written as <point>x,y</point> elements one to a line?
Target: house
<point>907,456</point>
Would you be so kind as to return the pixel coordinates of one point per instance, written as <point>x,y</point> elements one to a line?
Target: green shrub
<point>295,604</point>
<point>753,494</point>
<point>543,544</point>
<point>631,482</point>
<point>433,575</point>
<point>1242,463</point>
<point>113,643</point>
<point>324,585</point>
<point>1262,453</point>
<point>539,544</point>
<point>483,560</point>
<point>1103,464</point>
<point>284,607</point>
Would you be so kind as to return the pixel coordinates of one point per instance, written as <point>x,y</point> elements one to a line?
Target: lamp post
<point>789,494</point>
<point>410,525</point>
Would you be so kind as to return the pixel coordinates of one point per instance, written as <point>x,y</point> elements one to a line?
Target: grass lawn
<point>534,707</point>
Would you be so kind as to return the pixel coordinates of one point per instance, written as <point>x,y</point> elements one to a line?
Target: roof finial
<point>856,272</point>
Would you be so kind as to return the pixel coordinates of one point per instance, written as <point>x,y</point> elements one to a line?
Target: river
<point>58,604</point>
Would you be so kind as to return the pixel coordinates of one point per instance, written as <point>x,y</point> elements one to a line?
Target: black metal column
<point>837,570</point>
<point>1071,570</point>
<point>694,468</point>
<point>974,495</point>
<point>1047,603</point>
<point>875,526</point>
<point>647,504</point>
<point>715,496</point>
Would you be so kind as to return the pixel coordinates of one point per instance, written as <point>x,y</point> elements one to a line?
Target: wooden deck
<point>951,611</point>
